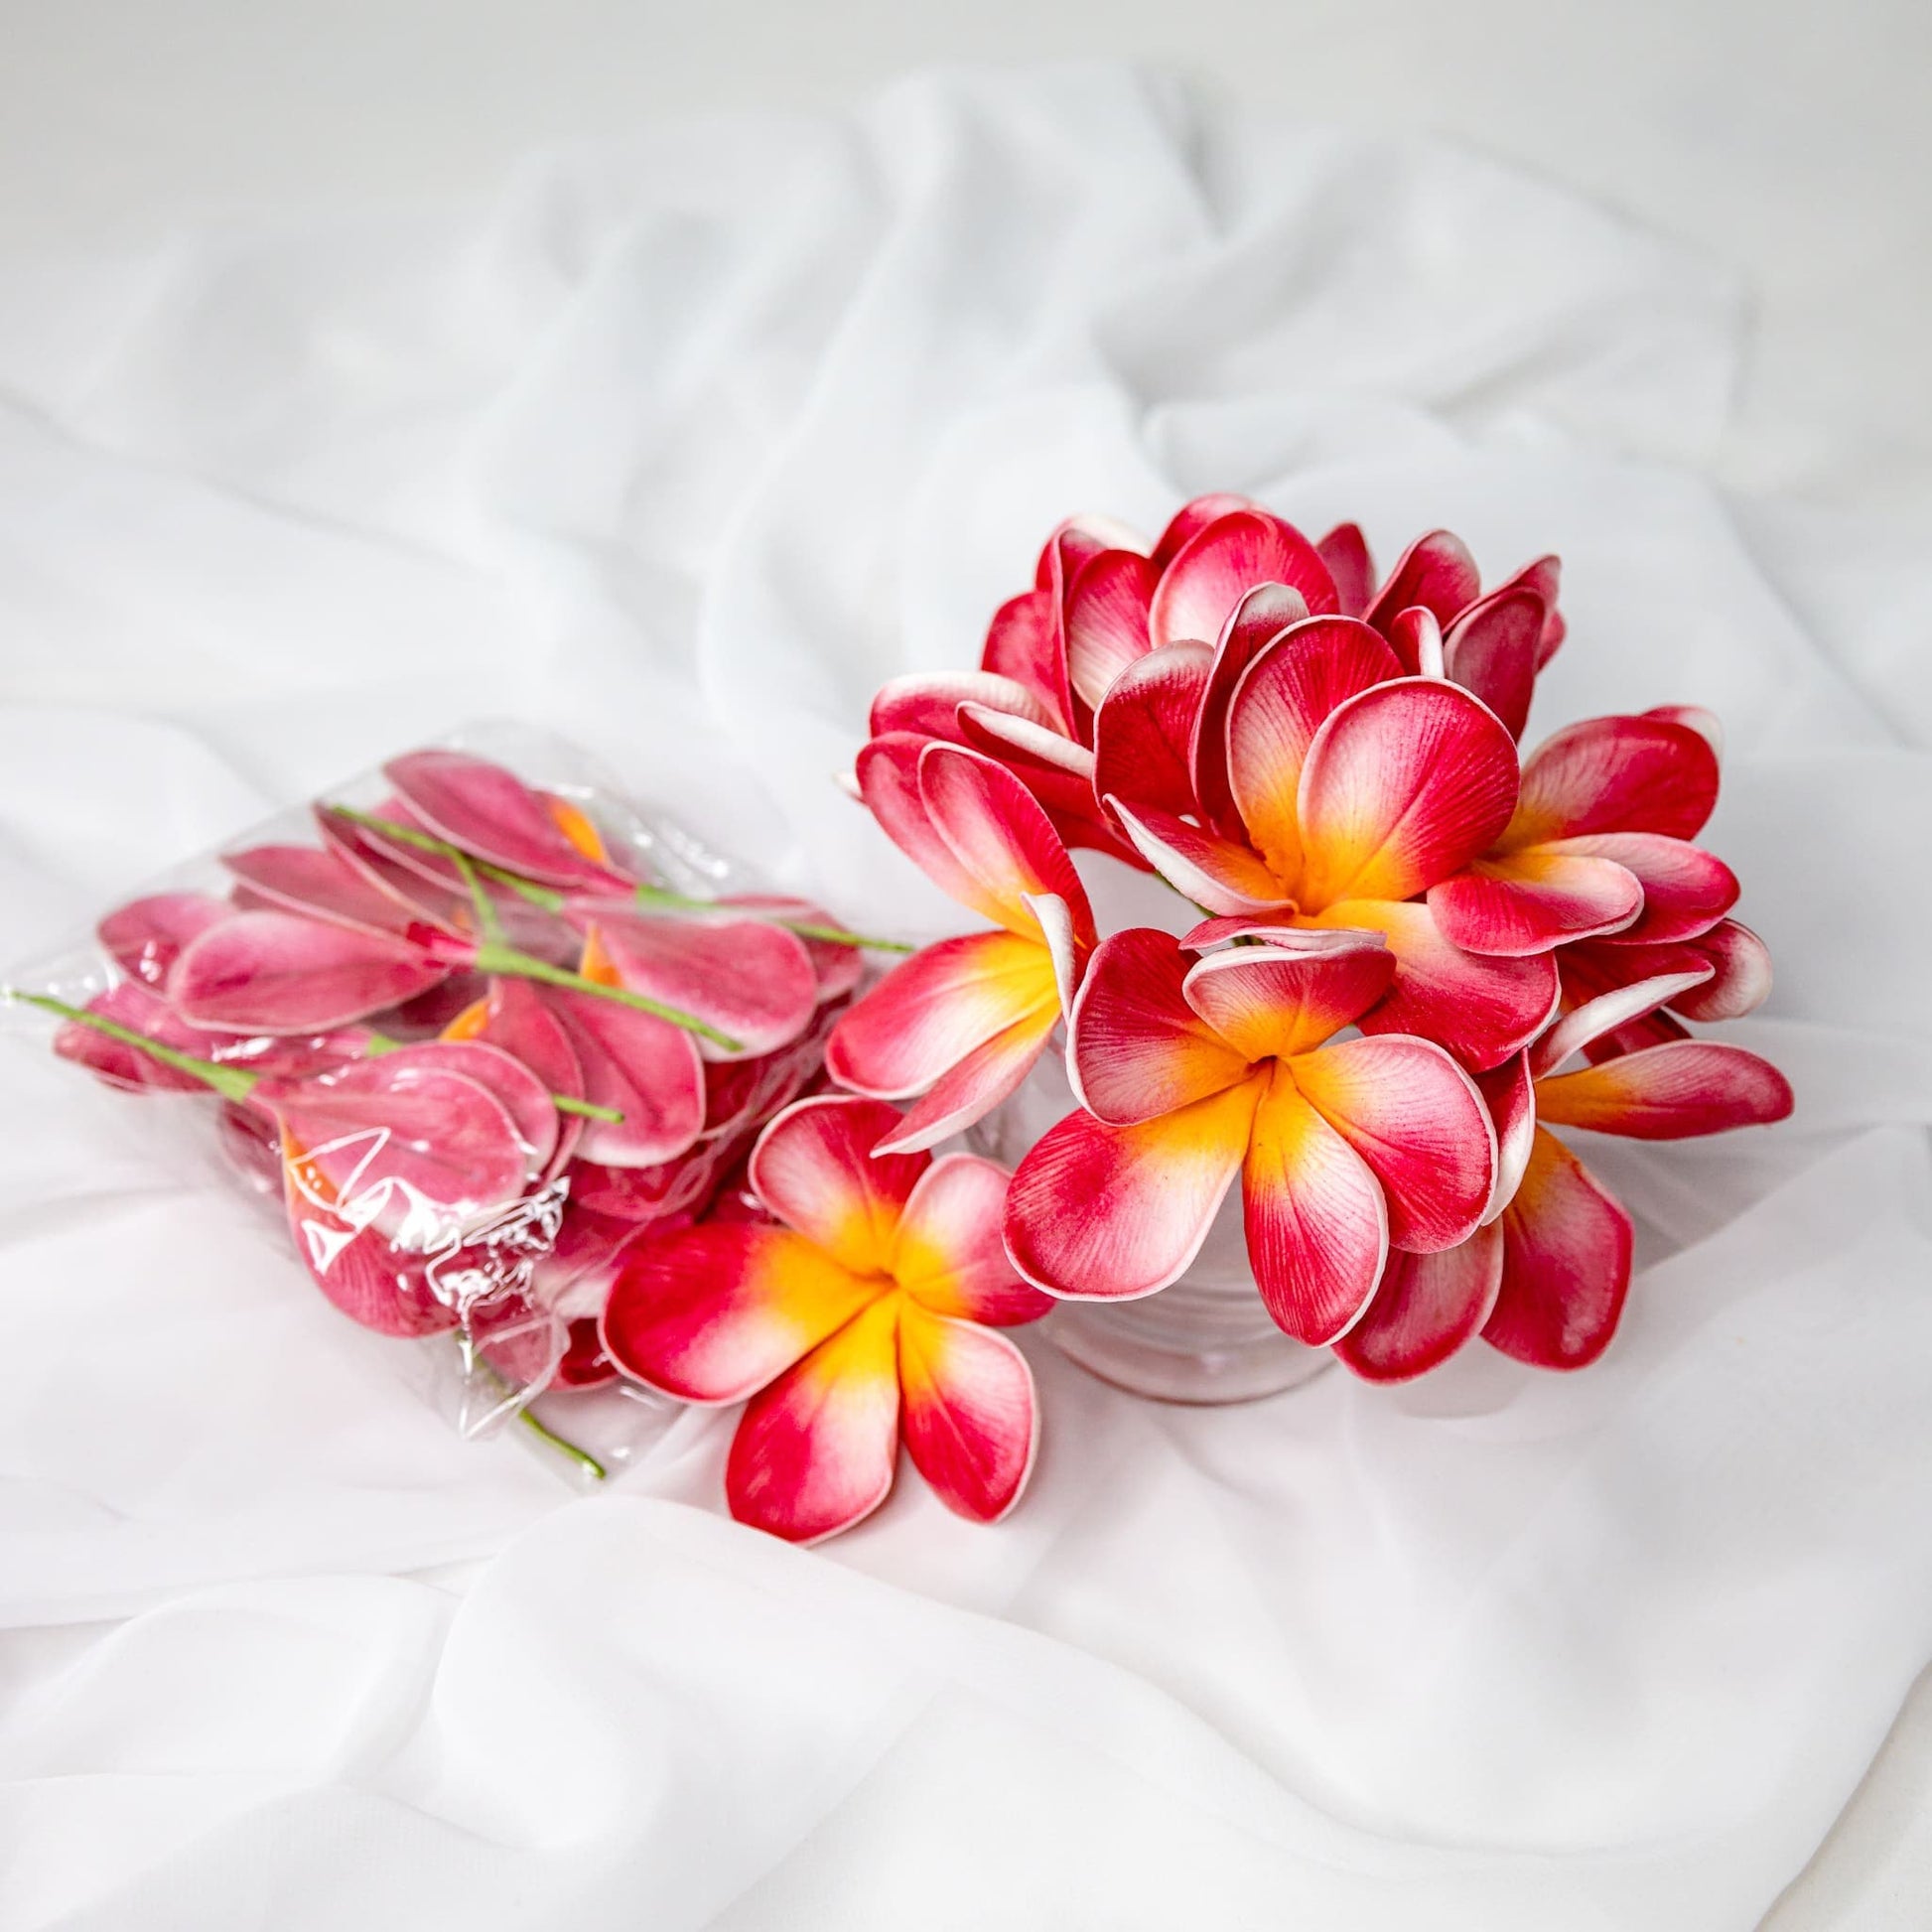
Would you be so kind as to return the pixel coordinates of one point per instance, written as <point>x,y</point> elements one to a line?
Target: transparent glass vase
<point>1207,1338</point>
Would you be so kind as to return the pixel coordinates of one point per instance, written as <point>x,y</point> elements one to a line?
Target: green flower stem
<point>230,1082</point>
<point>835,935</point>
<point>492,956</point>
<point>584,1459</point>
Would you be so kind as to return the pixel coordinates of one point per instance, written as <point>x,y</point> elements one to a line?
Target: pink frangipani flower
<point>860,1314</point>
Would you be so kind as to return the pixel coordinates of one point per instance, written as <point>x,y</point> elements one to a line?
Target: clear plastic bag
<point>469,1028</point>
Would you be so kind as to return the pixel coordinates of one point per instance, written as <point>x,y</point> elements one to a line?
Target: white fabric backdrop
<point>680,449</point>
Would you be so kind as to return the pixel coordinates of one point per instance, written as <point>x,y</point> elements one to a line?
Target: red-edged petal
<point>1136,1049</point>
<point>1544,576</point>
<point>1696,718</point>
<point>1436,571</point>
<point>492,814</point>
<point>361,1271</point>
<point>1316,1222</point>
<point>1426,1308</point>
<point>948,1255</point>
<point>751,980</point>
<point>969,1418</point>
<point>1513,903</point>
<point>1482,1010</point>
<point>1402,787</point>
<point>523,1096</point>
<point>888,775</point>
<point>817,1169</point>
<point>1566,1243</point>
<point>1107,621</point>
<point>145,937</point>
<point>928,1013</point>
<point>1609,1012</point>
<point>1345,551</point>
<point>1024,643</point>
<point>1509,1092</point>
<point>1686,891</point>
<point>715,1312</point>
<point>1670,1092</point>
<point>1218,875</point>
<point>1222,562</point>
<point>1255,623</point>
<point>839,967</point>
<point>1284,997</point>
<point>275,973</point>
<point>1492,649</point>
<point>1192,518</point>
<point>1288,693</point>
<point>927,703</point>
<point>972,1087</point>
<point>1417,1118</point>
<point>1001,837</point>
<point>643,1067</point>
<point>1741,974</point>
<point>1097,1212</point>
<point>514,1018</point>
<point>1616,774</point>
<point>1143,729</point>
<point>815,1451</point>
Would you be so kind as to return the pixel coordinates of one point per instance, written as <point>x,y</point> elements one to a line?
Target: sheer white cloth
<point>681,449</point>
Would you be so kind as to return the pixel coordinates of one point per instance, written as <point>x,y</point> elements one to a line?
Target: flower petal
<point>714,1313</point>
<point>524,1097</point>
<point>1426,1308</point>
<point>1215,873</point>
<point>1566,1243</point>
<point>403,1143</point>
<point>1608,1012</point>
<point>320,884</point>
<point>492,814</point>
<point>1417,1118</point>
<point>1509,1092</point>
<point>145,937</point>
<point>1316,1224</point>
<point>1000,836</point>
<point>643,1067</point>
<point>1287,695</point>
<point>1345,551</point>
<point>1107,621</point>
<point>972,1087</point>
<point>1255,623</point>
<point>815,1168</point>
<point>1686,891</point>
<point>1136,1048</point>
<point>1192,518</point>
<point>969,1419</point>
<point>1670,1092</point>
<point>1616,774</point>
<point>1492,649</point>
<point>888,775</point>
<point>948,1255</point>
<point>815,1451</point>
<point>1544,576</point>
<point>1278,999</point>
<point>1512,904</point>
<point>1143,729</point>
<point>1024,643</point>
<point>1436,571</point>
<point>361,1271</point>
<point>1222,562</point>
<point>1097,1212</point>
<point>751,979</point>
<point>1740,980</point>
<point>514,1018</point>
<point>927,703</point>
<point>1402,787</point>
<point>275,973</point>
<point>1482,1010</point>
<point>933,1010</point>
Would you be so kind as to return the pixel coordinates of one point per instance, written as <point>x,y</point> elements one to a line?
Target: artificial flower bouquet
<point>520,1073</point>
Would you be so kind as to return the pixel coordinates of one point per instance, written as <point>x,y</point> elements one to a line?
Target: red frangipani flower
<point>1192,1069</point>
<point>963,1022</point>
<point>860,1314</point>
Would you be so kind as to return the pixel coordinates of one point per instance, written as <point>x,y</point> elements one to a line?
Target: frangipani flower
<point>1599,844</point>
<point>1192,1070</point>
<point>856,1317</point>
<point>1545,1278</point>
<point>963,1022</point>
<point>1337,790</point>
